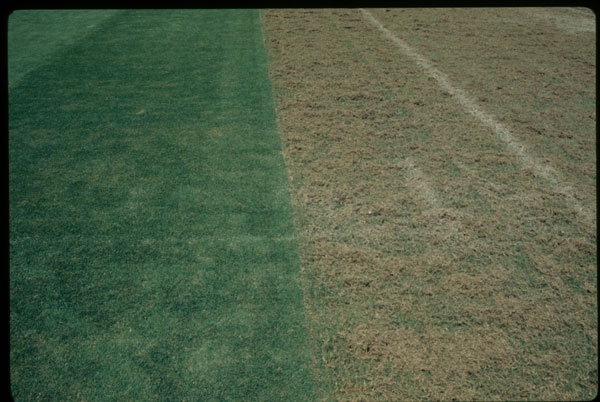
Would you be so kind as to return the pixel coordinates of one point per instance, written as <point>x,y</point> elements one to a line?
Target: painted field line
<point>421,182</point>
<point>548,173</point>
<point>569,19</point>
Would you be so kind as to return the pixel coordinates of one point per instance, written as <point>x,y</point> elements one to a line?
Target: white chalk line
<point>569,20</point>
<point>548,173</point>
<point>421,182</point>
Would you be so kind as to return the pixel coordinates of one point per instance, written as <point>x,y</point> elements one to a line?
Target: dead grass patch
<point>436,265</point>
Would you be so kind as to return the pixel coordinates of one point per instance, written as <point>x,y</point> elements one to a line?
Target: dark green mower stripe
<point>152,252</point>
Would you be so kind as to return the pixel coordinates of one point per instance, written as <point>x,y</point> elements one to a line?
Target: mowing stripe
<point>30,48</point>
<point>553,177</point>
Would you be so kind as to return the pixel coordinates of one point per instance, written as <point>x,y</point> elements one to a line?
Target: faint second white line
<point>548,173</point>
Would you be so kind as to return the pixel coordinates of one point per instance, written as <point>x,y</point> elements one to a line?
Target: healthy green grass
<point>35,37</point>
<point>152,253</point>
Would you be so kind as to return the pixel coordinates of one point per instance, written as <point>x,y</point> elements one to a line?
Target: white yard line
<point>421,182</point>
<point>570,20</point>
<point>548,173</point>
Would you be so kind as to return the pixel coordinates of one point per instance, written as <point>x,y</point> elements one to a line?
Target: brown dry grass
<point>436,266</point>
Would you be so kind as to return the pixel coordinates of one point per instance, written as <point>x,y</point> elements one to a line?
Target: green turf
<point>35,37</point>
<point>152,253</point>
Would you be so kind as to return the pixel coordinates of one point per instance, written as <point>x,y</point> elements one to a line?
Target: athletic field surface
<point>303,204</point>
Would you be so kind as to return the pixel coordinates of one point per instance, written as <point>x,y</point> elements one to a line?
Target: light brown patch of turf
<point>436,265</point>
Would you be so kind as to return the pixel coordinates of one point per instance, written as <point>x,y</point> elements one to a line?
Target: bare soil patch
<point>436,265</point>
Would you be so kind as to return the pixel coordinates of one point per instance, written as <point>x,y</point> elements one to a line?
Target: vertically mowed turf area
<point>151,243</point>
